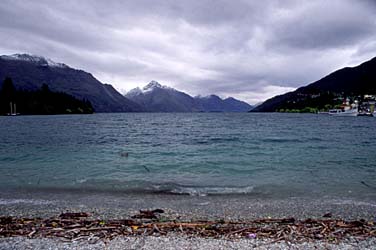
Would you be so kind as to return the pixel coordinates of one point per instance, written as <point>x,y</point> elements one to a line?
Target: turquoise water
<point>264,155</point>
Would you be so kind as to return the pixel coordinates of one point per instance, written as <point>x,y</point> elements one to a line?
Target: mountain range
<point>349,81</point>
<point>29,73</point>
<point>155,97</point>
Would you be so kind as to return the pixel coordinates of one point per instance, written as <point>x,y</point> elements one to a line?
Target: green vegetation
<point>328,92</point>
<point>310,103</point>
<point>43,101</point>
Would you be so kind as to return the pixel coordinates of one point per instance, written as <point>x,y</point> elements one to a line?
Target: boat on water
<point>13,110</point>
<point>367,107</point>
<point>366,113</point>
<point>340,112</point>
<point>346,109</point>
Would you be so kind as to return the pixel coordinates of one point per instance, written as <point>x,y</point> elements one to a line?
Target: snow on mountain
<point>34,59</point>
<point>147,88</point>
<point>155,97</point>
<point>153,85</point>
<point>134,92</point>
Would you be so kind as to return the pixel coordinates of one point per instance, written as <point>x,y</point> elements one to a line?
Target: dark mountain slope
<point>348,81</point>
<point>31,72</point>
<point>40,102</point>
<point>235,105</point>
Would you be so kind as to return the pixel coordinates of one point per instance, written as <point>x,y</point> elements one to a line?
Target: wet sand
<point>39,203</point>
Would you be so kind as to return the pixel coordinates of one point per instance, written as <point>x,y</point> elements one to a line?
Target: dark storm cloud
<point>330,25</point>
<point>248,49</point>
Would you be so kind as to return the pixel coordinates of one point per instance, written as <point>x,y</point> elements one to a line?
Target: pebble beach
<point>32,204</point>
<point>176,242</point>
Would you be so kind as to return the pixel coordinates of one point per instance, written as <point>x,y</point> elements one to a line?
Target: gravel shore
<point>175,242</point>
<point>120,205</point>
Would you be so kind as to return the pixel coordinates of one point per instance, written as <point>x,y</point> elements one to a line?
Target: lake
<point>198,154</point>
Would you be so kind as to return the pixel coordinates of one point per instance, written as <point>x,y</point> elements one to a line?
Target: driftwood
<point>148,214</point>
<point>78,226</point>
<point>73,215</point>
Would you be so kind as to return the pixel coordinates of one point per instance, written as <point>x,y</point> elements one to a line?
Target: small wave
<point>80,181</point>
<point>215,140</point>
<point>8,159</point>
<point>24,201</point>
<point>224,139</point>
<point>201,191</point>
<point>315,139</point>
<point>353,202</point>
<point>322,147</point>
<point>145,187</point>
<point>280,139</point>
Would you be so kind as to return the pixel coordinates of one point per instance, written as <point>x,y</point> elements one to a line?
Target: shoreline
<point>32,203</point>
<point>234,208</point>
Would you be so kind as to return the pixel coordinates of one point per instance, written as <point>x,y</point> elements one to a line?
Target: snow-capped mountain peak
<point>155,97</point>
<point>149,88</point>
<point>34,59</point>
<point>208,97</point>
<point>153,84</point>
<point>134,92</point>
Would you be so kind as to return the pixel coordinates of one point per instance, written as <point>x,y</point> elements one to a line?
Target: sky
<point>251,50</point>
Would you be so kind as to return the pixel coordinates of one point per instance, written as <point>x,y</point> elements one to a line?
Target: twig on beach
<point>73,215</point>
<point>148,214</point>
<point>78,226</point>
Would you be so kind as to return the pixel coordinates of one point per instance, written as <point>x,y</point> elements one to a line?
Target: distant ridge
<point>155,97</point>
<point>214,103</point>
<point>30,72</point>
<point>353,81</point>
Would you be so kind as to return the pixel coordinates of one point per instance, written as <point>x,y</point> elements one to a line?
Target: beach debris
<point>124,154</point>
<point>327,215</point>
<point>146,168</point>
<point>367,185</point>
<point>80,227</point>
<point>252,236</point>
<point>148,214</point>
<point>69,215</point>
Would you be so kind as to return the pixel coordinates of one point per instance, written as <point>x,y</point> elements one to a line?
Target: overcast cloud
<point>251,50</point>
